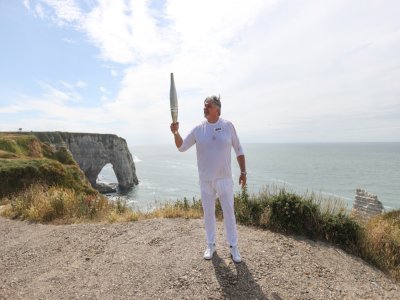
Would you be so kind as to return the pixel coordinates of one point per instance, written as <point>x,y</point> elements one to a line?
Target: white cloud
<point>104,90</point>
<point>39,10</point>
<point>60,12</point>
<point>13,108</point>
<point>58,103</point>
<point>81,84</point>
<point>66,11</point>
<point>305,70</point>
<point>114,73</point>
<point>68,41</point>
<point>125,32</point>
<point>70,87</point>
<point>27,4</point>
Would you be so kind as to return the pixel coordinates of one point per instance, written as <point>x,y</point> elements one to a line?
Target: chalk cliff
<point>93,151</point>
<point>367,205</point>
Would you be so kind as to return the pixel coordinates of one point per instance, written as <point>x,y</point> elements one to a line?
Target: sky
<point>287,71</point>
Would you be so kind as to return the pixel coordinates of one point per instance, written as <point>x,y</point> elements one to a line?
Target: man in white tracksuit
<point>214,139</point>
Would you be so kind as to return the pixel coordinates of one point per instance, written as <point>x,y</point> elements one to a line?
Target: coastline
<point>335,169</point>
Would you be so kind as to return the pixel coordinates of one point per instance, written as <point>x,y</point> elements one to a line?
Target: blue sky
<point>287,71</point>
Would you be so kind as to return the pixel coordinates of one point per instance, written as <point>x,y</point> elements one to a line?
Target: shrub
<point>290,213</point>
<point>249,210</point>
<point>64,156</point>
<point>341,229</point>
<point>283,211</point>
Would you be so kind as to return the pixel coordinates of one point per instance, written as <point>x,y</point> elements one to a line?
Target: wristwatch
<point>243,173</point>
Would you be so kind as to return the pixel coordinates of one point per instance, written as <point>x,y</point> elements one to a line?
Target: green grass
<point>25,161</point>
<point>16,175</point>
<point>290,213</point>
<point>20,145</point>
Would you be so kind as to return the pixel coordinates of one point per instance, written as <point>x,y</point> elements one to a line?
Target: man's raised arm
<point>178,139</point>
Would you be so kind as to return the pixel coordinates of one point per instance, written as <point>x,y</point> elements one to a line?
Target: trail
<point>162,259</point>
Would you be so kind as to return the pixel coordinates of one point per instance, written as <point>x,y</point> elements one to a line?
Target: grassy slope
<point>24,160</point>
<point>40,184</point>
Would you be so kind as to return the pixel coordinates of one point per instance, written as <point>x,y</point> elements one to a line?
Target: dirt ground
<point>163,259</point>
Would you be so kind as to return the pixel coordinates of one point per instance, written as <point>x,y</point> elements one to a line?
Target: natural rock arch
<point>93,151</point>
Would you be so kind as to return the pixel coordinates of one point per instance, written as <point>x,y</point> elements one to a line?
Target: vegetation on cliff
<point>40,184</point>
<point>376,241</point>
<point>24,161</point>
<point>60,205</point>
<point>380,243</point>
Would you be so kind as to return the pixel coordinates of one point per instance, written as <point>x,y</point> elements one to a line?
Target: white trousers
<point>223,189</point>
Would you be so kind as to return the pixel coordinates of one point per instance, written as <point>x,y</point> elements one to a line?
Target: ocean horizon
<point>329,169</point>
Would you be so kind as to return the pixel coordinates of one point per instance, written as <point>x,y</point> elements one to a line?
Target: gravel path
<point>162,259</point>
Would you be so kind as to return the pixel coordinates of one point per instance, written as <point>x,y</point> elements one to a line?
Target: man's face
<point>210,109</point>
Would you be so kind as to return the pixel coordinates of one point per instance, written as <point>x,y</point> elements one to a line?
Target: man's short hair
<point>214,99</point>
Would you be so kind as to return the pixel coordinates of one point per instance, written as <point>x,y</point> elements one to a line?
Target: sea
<point>329,170</point>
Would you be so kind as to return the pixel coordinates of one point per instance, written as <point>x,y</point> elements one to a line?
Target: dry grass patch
<point>179,209</point>
<point>381,242</point>
<point>60,205</point>
<point>7,155</point>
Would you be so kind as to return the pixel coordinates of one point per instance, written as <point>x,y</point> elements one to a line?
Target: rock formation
<point>366,205</point>
<point>93,151</point>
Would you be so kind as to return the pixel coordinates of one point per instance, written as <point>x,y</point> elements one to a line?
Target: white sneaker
<point>208,254</point>
<point>235,254</point>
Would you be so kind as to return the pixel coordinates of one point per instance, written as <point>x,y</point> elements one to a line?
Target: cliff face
<point>93,151</point>
<point>367,205</point>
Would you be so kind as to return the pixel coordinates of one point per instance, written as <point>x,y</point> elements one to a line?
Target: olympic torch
<point>173,100</point>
